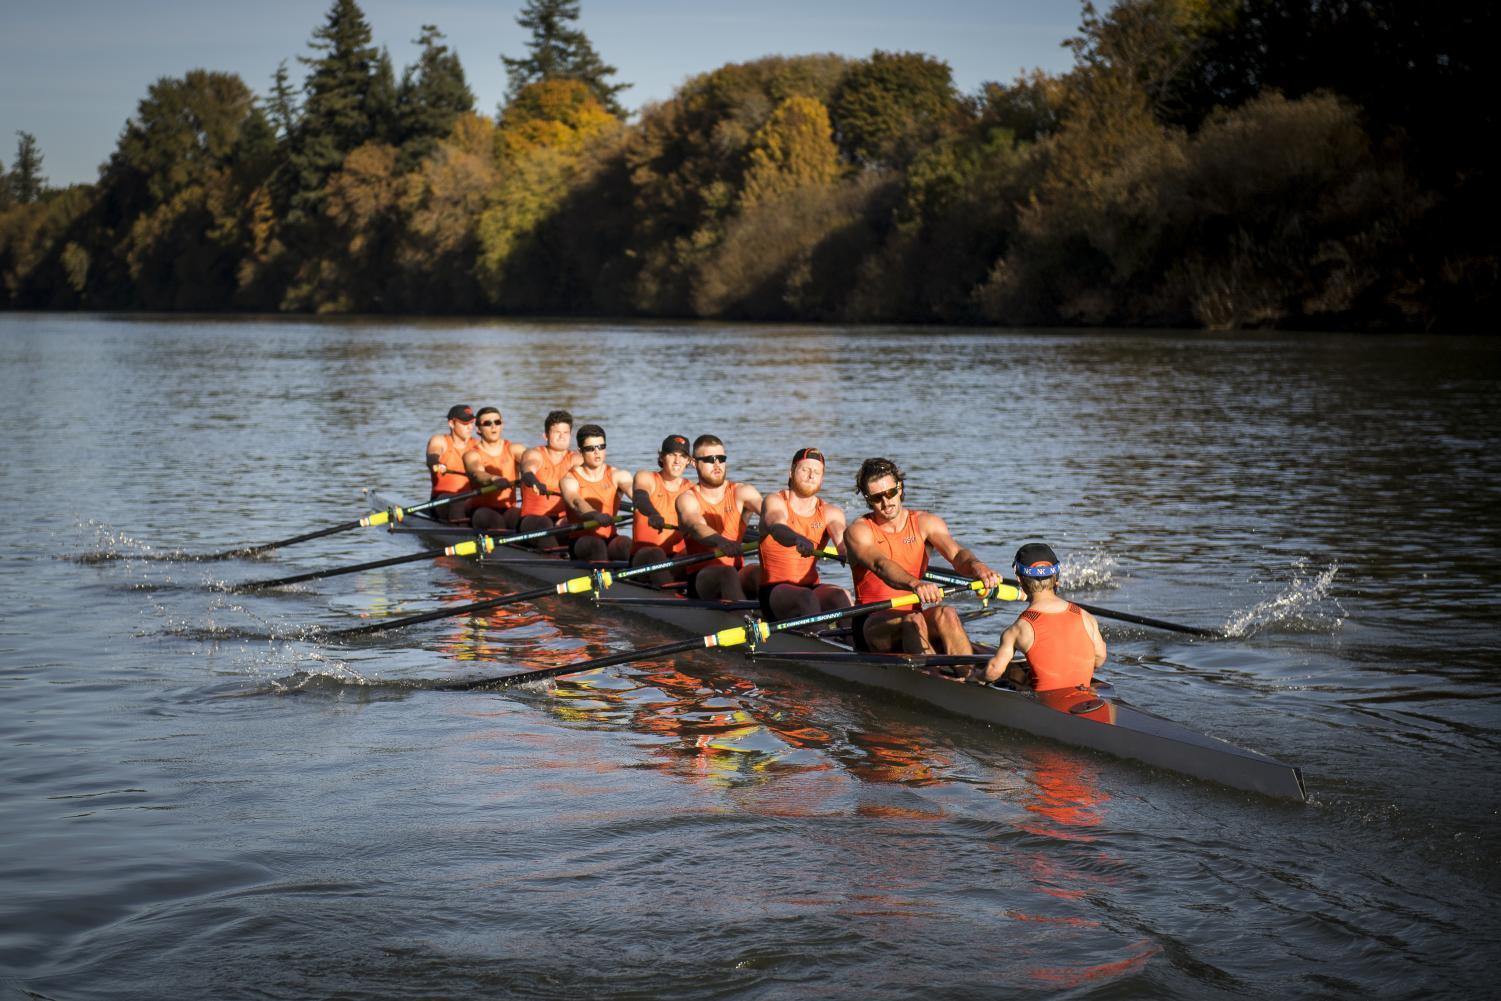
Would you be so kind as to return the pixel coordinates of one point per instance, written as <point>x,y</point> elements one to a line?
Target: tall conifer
<point>25,179</point>
<point>559,51</point>
<point>336,109</point>
<point>433,94</point>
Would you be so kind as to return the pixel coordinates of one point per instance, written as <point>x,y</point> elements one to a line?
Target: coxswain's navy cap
<point>807,453</point>
<point>674,443</point>
<point>1036,559</point>
<point>460,412</point>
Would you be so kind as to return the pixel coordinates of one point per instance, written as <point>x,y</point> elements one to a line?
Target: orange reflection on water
<point>896,755</point>
<point>1077,976</point>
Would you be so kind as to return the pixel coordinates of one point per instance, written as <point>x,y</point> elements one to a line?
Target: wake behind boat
<point>1082,719</point>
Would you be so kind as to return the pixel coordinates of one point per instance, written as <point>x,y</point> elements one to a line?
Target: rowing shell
<point>1086,719</point>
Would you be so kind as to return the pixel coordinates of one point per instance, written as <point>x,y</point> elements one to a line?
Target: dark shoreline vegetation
<point>1213,164</point>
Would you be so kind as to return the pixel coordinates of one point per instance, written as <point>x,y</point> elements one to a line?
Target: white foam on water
<point>1090,571</point>
<point>1305,605</point>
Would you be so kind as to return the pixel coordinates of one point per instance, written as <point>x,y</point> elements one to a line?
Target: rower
<point>445,462</point>
<point>655,493</point>
<point>542,470</point>
<point>494,460</point>
<point>712,514</point>
<point>888,552</point>
<point>1062,642</point>
<point>592,488</point>
<point>794,523</point>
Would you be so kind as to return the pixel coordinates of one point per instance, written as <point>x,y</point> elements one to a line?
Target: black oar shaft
<point>257,585</point>
<point>264,547</point>
<point>591,665</point>
<point>944,577</point>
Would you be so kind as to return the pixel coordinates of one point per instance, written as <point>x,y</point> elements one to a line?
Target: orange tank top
<point>455,481</point>
<point>1062,654</point>
<point>670,539</point>
<point>503,465</point>
<point>906,548</point>
<point>550,475</point>
<point>602,495</point>
<point>781,564</point>
<point>727,518</point>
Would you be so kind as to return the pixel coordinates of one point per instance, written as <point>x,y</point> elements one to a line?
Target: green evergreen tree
<point>5,197</point>
<point>559,51</point>
<point>336,110</point>
<point>25,179</point>
<point>281,106</point>
<point>433,93</point>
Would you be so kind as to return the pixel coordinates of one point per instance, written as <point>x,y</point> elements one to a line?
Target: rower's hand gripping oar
<point>370,520</point>
<point>752,633</point>
<point>480,546</point>
<point>942,577</point>
<point>588,583</point>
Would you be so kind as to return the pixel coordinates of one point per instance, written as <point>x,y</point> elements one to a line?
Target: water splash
<point>112,545</point>
<point>1305,605</point>
<point>1090,571</point>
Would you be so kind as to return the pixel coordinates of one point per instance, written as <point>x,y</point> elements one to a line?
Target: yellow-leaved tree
<point>539,144</point>
<point>794,149</point>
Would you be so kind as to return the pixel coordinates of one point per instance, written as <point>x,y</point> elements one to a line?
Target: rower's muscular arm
<point>774,523</point>
<point>435,446</point>
<point>835,526</point>
<point>474,465</point>
<point>1092,627</point>
<point>531,461</point>
<point>572,499</point>
<point>691,521</point>
<point>860,542</point>
<point>936,531</point>
<point>1000,664</point>
<point>641,497</point>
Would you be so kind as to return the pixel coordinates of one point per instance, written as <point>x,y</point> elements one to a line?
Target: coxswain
<point>654,535</point>
<point>493,459</point>
<point>592,489</point>
<point>888,552</point>
<point>542,470</point>
<point>794,524</point>
<point>445,463</point>
<point>713,515</point>
<point>1061,641</point>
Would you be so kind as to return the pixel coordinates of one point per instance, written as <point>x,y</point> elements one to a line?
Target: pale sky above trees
<point>72,71</point>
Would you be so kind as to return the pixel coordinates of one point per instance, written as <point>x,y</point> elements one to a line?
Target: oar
<point>574,585</point>
<point>369,520</point>
<point>755,630</point>
<point>943,577</point>
<point>481,545</point>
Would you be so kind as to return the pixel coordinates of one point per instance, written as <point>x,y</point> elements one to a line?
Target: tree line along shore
<point>1216,164</point>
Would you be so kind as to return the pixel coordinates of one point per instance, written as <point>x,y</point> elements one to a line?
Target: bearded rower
<point>655,493</point>
<point>713,515</point>
<point>888,550</point>
<point>494,460</point>
<point>594,488</point>
<point>445,463</point>
<point>794,523</point>
<point>542,470</point>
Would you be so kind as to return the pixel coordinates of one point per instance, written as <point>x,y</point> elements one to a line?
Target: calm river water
<point>200,799</point>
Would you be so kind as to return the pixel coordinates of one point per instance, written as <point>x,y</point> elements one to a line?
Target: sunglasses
<point>873,499</point>
<point>491,424</point>
<point>711,458</point>
<point>591,448</point>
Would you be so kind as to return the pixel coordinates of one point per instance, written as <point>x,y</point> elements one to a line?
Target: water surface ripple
<point>203,797</point>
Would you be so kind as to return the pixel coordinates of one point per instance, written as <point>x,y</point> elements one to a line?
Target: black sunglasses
<point>871,499</point>
<point>491,424</point>
<point>591,448</point>
<point>711,458</point>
